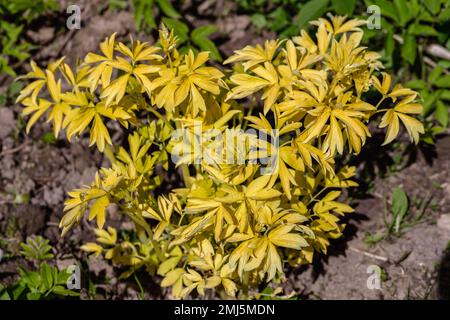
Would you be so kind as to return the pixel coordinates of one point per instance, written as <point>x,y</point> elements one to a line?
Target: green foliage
<point>410,22</point>
<point>49,138</point>
<point>149,14</point>
<point>197,38</point>
<point>408,28</point>
<point>45,282</point>
<point>11,93</point>
<point>16,17</point>
<point>400,215</point>
<point>146,12</point>
<point>344,6</point>
<point>288,17</point>
<point>435,91</point>
<point>37,248</point>
<point>399,208</point>
<point>396,219</point>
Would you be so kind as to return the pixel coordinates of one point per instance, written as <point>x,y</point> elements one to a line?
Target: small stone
<point>444,222</point>
<point>7,123</point>
<point>64,264</point>
<point>43,35</point>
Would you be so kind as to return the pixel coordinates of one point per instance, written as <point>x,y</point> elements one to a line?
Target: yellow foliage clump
<point>235,222</point>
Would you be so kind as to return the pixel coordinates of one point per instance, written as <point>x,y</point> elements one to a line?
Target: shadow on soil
<point>444,277</point>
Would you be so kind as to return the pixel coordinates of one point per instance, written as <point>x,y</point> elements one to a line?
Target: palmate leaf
<point>37,248</point>
<point>391,120</point>
<point>48,281</point>
<point>401,112</point>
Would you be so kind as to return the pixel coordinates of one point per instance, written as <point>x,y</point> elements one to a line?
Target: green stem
<point>316,195</point>
<point>245,286</point>
<point>159,116</point>
<point>149,231</point>
<point>184,167</point>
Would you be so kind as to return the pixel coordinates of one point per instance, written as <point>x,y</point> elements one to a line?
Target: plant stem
<point>184,168</point>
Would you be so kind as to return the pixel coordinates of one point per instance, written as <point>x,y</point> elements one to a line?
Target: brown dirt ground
<point>416,264</point>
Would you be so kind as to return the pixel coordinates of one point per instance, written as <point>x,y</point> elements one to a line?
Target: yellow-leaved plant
<point>229,226</point>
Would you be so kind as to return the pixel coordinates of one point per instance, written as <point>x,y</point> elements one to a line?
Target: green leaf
<point>399,207</point>
<point>441,113</point>
<point>417,84</point>
<point>311,10</point>
<point>21,198</point>
<point>403,12</point>
<point>117,4</point>
<point>388,9</point>
<point>373,238</point>
<point>425,16</point>
<point>279,19</point>
<point>46,276</point>
<point>409,48</point>
<point>389,47</point>
<point>415,7</point>
<point>203,31</point>
<point>49,138</point>
<point>344,6</point>
<point>199,37</point>
<point>445,95</point>
<point>167,8</point>
<point>259,20</point>
<point>29,279</point>
<point>62,276</point>
<point>422,30</point>
<point>60,290</point>
<point>433,6</point>
<point>149,18</point>
<point>36,248</point>
<point>33,295</point>
<point>434,74</point>
<point>443,81</point>
<point>17,290</point>
<point>444,64</point>
<point>143,12</point>
<point>444,15</point>
<point>14,88</point>
<point>430,102</point>
<point>4,295</point>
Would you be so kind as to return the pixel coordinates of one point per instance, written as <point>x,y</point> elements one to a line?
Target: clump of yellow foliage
<point>230,228</point>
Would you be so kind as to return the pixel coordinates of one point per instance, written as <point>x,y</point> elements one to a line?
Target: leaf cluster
<point>149,14</point>
<point>16,17</point>
<point>45,282</point>
<point>232,225</point>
